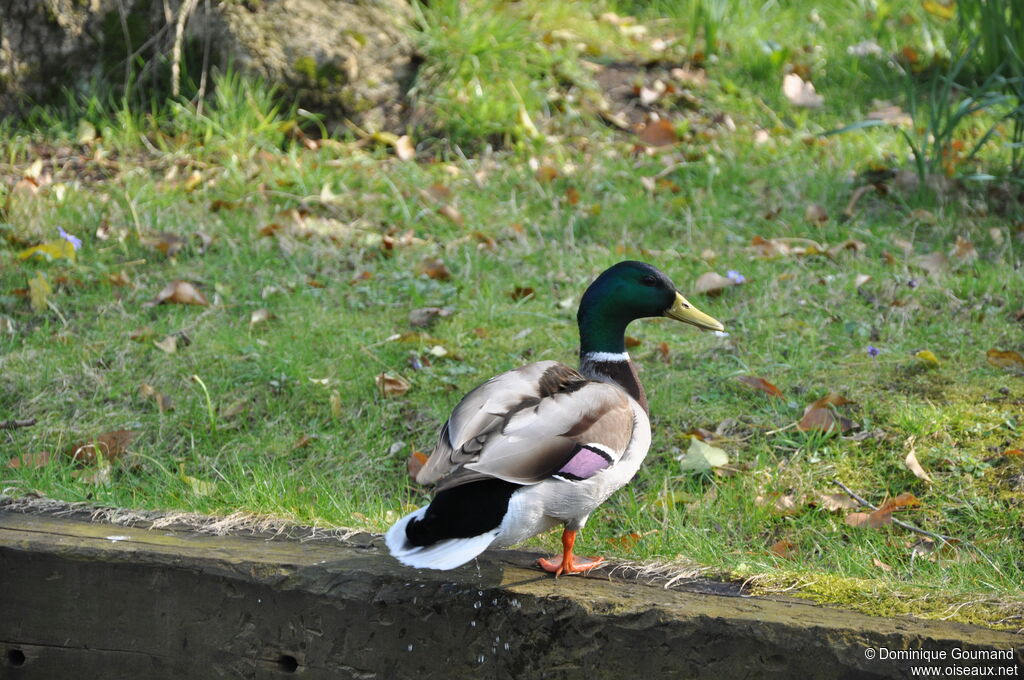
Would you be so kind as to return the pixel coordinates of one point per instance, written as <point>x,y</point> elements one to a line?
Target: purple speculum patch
<point>584,464</point>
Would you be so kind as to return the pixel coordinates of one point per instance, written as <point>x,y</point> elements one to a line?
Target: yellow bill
<point>682,310</point>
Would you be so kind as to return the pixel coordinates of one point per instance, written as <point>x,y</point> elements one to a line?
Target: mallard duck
<point>544,444</point>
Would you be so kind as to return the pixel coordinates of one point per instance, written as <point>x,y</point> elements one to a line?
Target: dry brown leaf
<point>849,244</point>
<point>815,213</point>
<point>632,342</point>
<point>180,292</point>
<point>912,463</point>
<point>572,196</point>
<point>435,269</point>
<point>546,173</point>
<point>168,243</point>
<point>663,352</point>
<point>760,384</point>
<point>120,279</point>
<point>404,148</point>
<point>1007,360</point>
<point>109,445</point>
<point>785,549</point>
<point>712,283</point>
<point>626,541</point>
<point>259,316</point>
<point>391,385</point>
<point>163,402</point>
<point>769,248</point>
<point>818,415</point>
<point>891,114</point>
<point>521,292</point>
<point>301,442</point>
<point>880,564</point>
<point>425,316</point>
<point>801,92</point>
<point>169,344</point>
<point>30,460</point>
<point>964,250</point>
<point>270,229</point>
<point>658,132</point>
<point>143,334</point>
<point>836,502</point>
<point>452,214</point>
<point>416,462</point>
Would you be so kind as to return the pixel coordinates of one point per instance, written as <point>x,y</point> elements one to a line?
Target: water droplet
<point>472,624</point>
<point>477,604</point>
<point>409,648</point>
<point>507,647</point>
<point>481,658</point>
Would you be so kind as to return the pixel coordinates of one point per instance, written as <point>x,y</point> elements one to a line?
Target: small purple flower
<point>912,283</point>
<point>873,351</point>
<point>70,238</point>
<point>735,276</point>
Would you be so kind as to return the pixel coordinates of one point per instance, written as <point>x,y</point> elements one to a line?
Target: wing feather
<point>523,425</point>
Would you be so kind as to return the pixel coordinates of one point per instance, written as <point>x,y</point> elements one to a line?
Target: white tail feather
<point>447,554</point>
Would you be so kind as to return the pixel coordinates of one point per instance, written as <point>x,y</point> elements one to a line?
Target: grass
<point>283,417</point>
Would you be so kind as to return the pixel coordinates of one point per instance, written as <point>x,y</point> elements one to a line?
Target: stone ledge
<point>94,600</point>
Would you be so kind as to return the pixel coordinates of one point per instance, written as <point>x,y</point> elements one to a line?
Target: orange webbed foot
<point>558,565</point>
<point>567,562</point>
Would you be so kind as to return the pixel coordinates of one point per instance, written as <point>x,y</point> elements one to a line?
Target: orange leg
<point>567,563</point>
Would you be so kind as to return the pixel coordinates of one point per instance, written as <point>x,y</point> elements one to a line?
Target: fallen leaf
<point>815,213</point>
<point>270,229</point>
<point>836,502</point>
<point>30,460</point>
<point>235,409</point>
<point>860,280</point>
<point>801,92</point>
<point>109,446</point>
<point>572,196</point>
<point>452,214</point>
<point>632,342</point>
<point>927,356</point>
<point>435,269</point>
<point>760,384</point>
<point>712,283</point>
<point>626,541</point>
<point>912,464</point>
<point>259,316</point>
<point>425,316</point>
<point>404,148</point>
<point>167,243</point>
<point>169,344</point>
<point>416,462</point>
<point>865,520</point>
<point>120,279</point>
<point>663,352</point>
<point>163,402</point>
<point>301,442</point>
<point>180,292</point>
<point>144,334</point>
<point>964,250</point>
<point>701,457</point>
<point>891,114</point>
<point>521,292</point>
<point>785,549</point>
<point>51,250</point>
<point>193,181</point>
<point>819,417</point>
<point>849,244</point>
<point>391,385</point>
<point>1008,360</point>
<point>657,132</point>
<point>545,174</point>
<point>880,564</point>
<point>39,292</point>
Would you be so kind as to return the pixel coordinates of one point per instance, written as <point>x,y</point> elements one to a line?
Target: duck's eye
<point>649,280</point>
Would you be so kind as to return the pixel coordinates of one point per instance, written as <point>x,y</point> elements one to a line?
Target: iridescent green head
<point>625,292</point>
